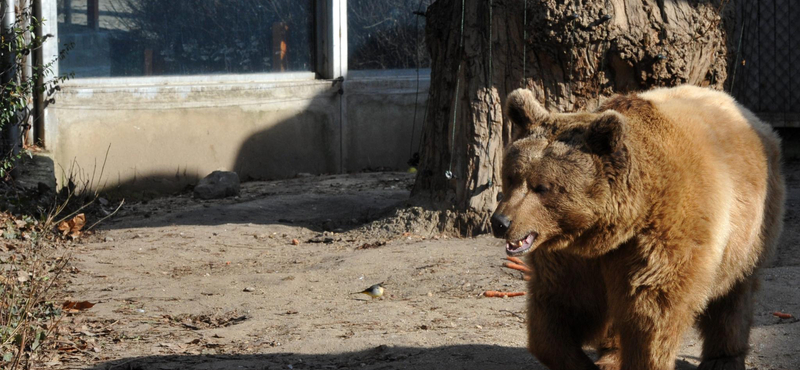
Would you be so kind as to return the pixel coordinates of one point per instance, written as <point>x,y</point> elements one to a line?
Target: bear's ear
<point>606,133</point>
<point>523,109</point>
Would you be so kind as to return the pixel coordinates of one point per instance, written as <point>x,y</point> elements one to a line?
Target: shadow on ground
<point>321,203</point>
<point>466,357</point>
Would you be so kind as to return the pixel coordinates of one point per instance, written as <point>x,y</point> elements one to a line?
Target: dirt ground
<point>181,283</point>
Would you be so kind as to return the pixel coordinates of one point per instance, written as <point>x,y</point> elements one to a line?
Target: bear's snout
<point>500,224</point>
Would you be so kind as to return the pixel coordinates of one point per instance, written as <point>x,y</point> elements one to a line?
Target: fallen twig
<point>109,215</point>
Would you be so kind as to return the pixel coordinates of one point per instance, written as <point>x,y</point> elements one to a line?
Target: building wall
<point>168,133</point>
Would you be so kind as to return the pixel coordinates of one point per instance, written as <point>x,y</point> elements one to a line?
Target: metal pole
<point>38,93</point>
<point>27,69</point>
<point>11,133</point>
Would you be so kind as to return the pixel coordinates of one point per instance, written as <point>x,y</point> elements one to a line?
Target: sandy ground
<point>186,284</point>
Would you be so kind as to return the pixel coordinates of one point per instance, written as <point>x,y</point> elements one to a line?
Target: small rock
<point>249,289</point>
<point>108,239</point>
<point>218,184</point>
<point>295,242</point>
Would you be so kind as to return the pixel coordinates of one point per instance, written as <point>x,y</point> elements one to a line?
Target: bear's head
<point>557,175</point>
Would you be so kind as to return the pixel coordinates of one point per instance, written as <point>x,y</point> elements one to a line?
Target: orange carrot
<point>496,294</point>
<point>516,260</point>
<point>782,315</point>
<point>515,266</point>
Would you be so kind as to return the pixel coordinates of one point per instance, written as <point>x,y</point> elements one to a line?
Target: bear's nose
<point>500,224</point>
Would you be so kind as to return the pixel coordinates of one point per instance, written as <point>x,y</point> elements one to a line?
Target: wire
<point>524,41</point>
<point>416,97</point>
<point>489,83</point>
<point>449,173</point>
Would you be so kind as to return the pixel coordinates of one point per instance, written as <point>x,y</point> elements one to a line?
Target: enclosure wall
<point>166,134</point>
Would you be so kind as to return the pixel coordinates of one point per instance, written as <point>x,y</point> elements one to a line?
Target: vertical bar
<point>11,134</point>
<point>50,51</point>
<point>782,52</point>
<point>331,20</point>
<point>93,14</point>
<point>766,50</point>
<point>27,68</point>
<point>332,38</point>
<point>342,37</point>
<point>793,48</point>
<point>148,62</point>
<point>38,94</point>
<point>280,33</point>
<point>67,11</point>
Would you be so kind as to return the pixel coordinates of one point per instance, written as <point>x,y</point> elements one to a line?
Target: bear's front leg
<point>566,310</point>
<point>555,335</point>
<point>651,324</point>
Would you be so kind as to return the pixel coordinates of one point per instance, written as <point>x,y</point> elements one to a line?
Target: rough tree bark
<point>572,54</point>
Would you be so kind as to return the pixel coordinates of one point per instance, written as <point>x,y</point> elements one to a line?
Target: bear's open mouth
<point>521,246</point>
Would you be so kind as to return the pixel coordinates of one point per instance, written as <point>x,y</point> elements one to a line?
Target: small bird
<point>375,291</point>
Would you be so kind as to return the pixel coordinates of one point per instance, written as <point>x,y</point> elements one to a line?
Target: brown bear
<point>640,219</point>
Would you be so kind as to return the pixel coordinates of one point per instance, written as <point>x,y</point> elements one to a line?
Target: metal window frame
<point>330,61</point>
<point>330,23</point>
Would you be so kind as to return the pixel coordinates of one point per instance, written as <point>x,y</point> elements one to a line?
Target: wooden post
<point>93,14</point>
<point>280,33</point>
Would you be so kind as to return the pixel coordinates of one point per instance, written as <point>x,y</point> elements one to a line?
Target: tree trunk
<point>573,55</point>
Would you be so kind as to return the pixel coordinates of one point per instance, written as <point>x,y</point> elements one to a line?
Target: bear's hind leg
<point>725,327</point>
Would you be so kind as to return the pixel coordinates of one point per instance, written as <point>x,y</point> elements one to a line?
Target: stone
<point>217,185</point>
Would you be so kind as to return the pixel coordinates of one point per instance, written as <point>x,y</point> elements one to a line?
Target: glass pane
<point>386,34</point>
<point>184,37</point>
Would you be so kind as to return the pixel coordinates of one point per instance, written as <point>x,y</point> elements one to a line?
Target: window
<point>386,34</point>
<point>186,37</point>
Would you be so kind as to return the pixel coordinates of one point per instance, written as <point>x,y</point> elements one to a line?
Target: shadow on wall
<point>260,136</point>
<point>465,357</point>
<point>307,142</point>
<point>262,133</point>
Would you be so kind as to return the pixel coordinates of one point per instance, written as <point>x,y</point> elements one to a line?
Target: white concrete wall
<point>164,133</point>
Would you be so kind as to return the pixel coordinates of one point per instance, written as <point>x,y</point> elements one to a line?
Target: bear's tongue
<point>520,246</point>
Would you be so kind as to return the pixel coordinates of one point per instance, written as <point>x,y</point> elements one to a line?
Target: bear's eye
<point>540,189</point>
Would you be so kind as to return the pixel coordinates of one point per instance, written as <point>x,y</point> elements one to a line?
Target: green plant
<point>18,87</point>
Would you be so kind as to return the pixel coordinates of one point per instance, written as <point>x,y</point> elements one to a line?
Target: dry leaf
<point>74,307</point>
<point>73,227</point>
<point>22,276</point>
<point>63,226</point>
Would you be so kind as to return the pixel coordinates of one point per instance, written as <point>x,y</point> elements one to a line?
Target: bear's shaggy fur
<point>642,218</point>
